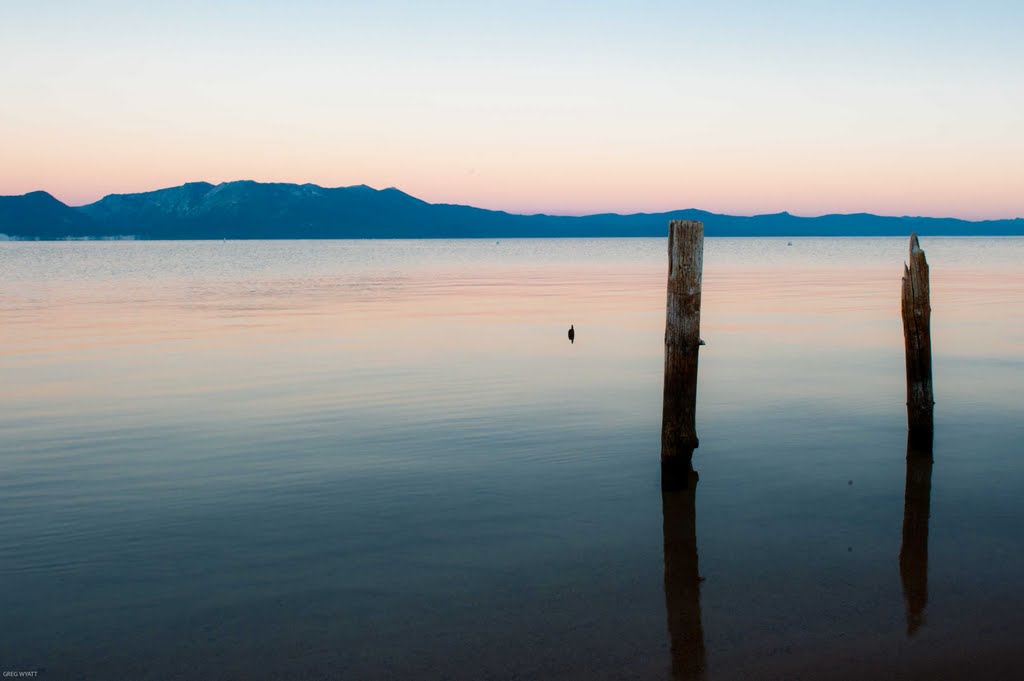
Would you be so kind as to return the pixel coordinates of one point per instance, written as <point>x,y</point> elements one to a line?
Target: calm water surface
<point>384,460</point>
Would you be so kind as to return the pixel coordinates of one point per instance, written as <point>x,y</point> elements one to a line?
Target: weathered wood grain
<point>682,344</point>
<point>917,312</point>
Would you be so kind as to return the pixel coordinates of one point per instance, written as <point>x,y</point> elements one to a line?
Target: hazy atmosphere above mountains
<point>252,210</point>
<point>570,108</point>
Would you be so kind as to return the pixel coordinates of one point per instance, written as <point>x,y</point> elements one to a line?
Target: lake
<point>385,460</point>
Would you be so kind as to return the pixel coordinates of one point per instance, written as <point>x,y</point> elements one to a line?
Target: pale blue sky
<point>571,107</point>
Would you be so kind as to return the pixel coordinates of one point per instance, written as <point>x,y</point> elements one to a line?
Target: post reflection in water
<point>914,549</point>
<point>682,579</point>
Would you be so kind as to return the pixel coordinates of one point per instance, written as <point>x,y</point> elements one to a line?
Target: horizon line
<point>511,212</point>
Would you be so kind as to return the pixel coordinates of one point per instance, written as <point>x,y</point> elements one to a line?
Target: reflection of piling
<point>682,343</point>
<point>914,549</point>
<point>682,580</point>
<point>917,314</point>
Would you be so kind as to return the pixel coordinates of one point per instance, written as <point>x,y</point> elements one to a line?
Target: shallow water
<point>384,459</point>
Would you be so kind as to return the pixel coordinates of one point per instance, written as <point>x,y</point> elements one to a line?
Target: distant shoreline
<point>254,211</point>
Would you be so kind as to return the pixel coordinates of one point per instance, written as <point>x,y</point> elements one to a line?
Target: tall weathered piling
<point>917,312</point>
<point>682,345</point>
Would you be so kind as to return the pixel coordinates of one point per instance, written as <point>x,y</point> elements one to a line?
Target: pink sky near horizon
<point>559,176</point>
<point>709,187</point>
<point>567,169</point>
<point>811,108</point>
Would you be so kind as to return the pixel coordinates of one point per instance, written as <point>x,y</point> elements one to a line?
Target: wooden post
<point>682,581</point>
<point>682,344</point>
<point>914,548</point>
<point>917,312</point>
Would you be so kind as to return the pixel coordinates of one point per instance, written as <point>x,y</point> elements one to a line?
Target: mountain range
<point>254,210</point>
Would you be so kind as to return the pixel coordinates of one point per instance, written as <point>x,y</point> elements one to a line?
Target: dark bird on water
<point>572,334</point>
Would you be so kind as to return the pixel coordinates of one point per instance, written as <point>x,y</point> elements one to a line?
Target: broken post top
<point>915,246</point>
<point>916,252</point>
<point>915,276</point>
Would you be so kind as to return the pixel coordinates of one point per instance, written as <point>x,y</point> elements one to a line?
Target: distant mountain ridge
<point>254,210</point>
<point>40,214</point>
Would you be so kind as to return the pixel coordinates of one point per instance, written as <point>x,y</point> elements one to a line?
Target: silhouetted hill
<point>253,210</point>
<point>39,215</point>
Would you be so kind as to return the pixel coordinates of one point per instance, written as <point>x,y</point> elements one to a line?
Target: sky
<point>902,107</point>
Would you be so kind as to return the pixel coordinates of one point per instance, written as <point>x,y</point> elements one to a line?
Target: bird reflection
<point>682,579</point>
<point>914,549</point>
